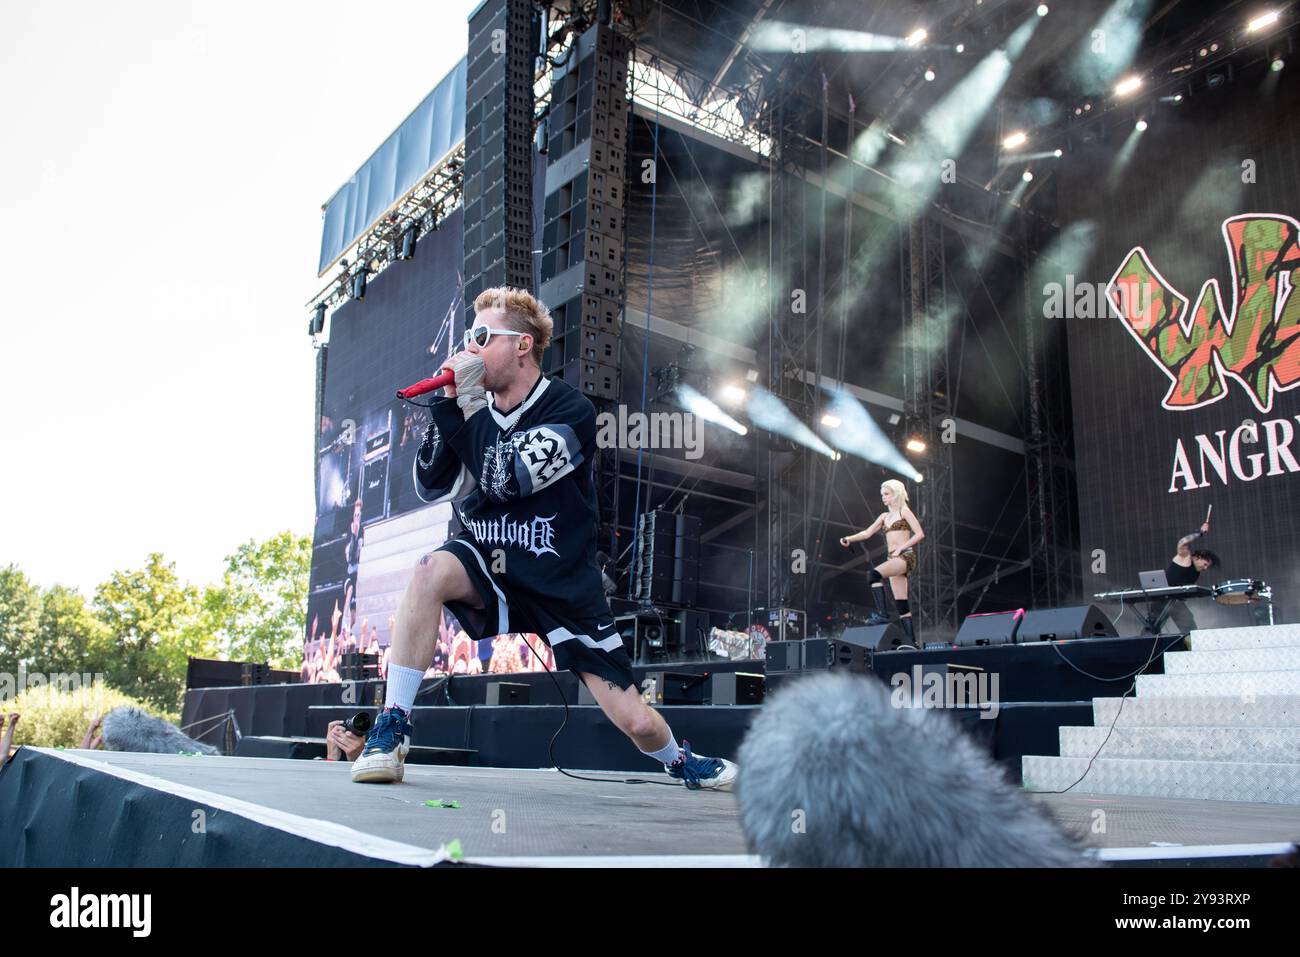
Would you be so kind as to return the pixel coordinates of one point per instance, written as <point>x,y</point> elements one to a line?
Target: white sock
<point>668,753</point>
<point>402,685</point>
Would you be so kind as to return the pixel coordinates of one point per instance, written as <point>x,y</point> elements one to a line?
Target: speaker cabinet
<point>507,692</point>
<point>1062,624</point>
<point>995,628</point>
<point>736,687</point>
<point>783,656</point>
<point>884,637</point>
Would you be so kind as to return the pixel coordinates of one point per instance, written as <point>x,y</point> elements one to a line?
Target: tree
<point>20,609</point>
<point>70,639</point>
<point>257,611</point>
<point>154,625</point>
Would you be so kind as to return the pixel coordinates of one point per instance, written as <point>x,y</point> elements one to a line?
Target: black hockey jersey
<point>521,484</point>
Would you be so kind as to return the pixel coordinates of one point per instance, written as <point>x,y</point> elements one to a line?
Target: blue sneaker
<point>382,759</point>
<point>697,771</point>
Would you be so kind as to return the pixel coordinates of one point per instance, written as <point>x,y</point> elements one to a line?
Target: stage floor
<point>542,818</point>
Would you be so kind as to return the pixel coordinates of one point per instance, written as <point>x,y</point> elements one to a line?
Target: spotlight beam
<point>708,410</point>
<point>770,413</point>
<point>859,435</point>
<point>784,37</point>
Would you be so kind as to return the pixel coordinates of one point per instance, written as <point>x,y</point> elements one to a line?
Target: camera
<point>358,724</point>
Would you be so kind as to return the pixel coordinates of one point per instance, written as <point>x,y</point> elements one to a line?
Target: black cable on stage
<point>1124,697</point>
<point>563,724</point>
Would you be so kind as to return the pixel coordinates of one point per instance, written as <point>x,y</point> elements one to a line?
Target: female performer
<point>902,532</point>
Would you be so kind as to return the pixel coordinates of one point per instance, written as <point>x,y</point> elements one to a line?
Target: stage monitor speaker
<point>783,656</point>
<point>736,687</point>
<point>1061,624</point>
<point>884,637</point>
<point>254,673</point>
<point>210,673</point>
<point>507,692</point>
<point>674,688</point>
<point>990,628</point>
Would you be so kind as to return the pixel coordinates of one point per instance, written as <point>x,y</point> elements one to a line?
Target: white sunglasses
<point>482,334</point>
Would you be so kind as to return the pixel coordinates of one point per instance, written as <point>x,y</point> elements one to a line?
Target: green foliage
<point>144,624</point>
<point>20,610</point>
<point>69,636</point>
<point>257,611</point>
<point>52,718</point>
<point>154,626</point>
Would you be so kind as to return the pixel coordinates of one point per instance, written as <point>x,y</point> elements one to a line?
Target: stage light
<point>1058,153</point>
<point>961,48</point>
<point>916,445</point>
<point>1027,176</point>
<point>698,404</point>
<point>830,421</point>
<point>896,138</point>
<point>895,418</point>
<point>1277,64</point>
<point>318,320</point>
<point>1262,21</point>
<point>1128,85</point>
<point>929,76</point>
<point>732,394</point>
<point>1215,80</point>
<point>1141,126</point>
<point>860,435</point>
<point>751,375</point>
<point>1042,10</point>
<point>1204,51</point>
<point>1018,138</point>
<point>917,37</point>
<point>409,239</point>
<point>359,283</point>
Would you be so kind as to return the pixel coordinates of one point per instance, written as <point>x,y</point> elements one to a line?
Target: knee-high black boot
<point>905,619</point>
<point>881,615</point>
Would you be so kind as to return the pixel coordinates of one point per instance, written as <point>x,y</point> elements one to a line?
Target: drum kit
<point>1241,591</point>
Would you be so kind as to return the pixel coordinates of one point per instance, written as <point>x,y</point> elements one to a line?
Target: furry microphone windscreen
<point>130,729</point>
<point>832,774</point>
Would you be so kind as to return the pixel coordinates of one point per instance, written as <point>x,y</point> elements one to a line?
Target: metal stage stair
<point>1222,723</point>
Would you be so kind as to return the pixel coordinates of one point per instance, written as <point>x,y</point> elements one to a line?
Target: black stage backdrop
<point>371,527</point>
<point>1210,193</point>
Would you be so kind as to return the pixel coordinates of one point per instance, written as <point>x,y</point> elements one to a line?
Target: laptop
<point>1153,580</point>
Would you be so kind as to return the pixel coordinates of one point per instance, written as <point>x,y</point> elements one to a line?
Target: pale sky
<point>161,178</point>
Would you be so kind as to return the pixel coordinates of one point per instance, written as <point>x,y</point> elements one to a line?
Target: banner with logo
<point>1174,277</point>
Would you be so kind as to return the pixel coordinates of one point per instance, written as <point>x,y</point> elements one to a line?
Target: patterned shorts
<point>909,557</point>
<point>583,642</point>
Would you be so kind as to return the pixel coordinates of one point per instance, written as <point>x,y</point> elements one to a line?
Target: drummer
<point>1186,565</point>
<point>1184,568</point>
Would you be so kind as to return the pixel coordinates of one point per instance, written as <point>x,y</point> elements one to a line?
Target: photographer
<point>341,744</point>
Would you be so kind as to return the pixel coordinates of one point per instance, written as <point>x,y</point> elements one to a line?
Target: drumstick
<point>1207,514</point>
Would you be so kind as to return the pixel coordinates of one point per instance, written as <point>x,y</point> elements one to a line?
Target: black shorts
<point>582,642</point>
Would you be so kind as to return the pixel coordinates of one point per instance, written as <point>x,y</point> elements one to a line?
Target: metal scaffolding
<point>929,418</point>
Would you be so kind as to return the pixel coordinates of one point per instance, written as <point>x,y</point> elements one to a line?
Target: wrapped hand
<point>470,394</point>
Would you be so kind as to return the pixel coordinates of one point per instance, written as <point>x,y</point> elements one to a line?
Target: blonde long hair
<point>900,493</point>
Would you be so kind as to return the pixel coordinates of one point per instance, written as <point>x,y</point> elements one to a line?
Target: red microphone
<point>445,377</point>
